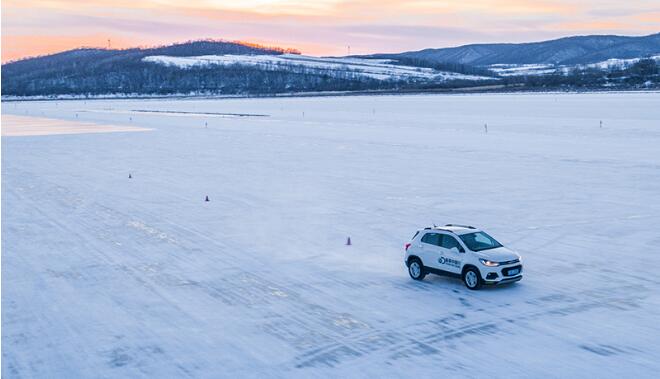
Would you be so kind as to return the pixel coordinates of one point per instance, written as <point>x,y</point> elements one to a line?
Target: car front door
<point>451,254</point>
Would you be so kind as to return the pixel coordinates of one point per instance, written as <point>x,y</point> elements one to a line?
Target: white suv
<point>464,252</point>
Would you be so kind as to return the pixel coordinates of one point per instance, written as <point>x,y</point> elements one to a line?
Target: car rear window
<point>432,239</point>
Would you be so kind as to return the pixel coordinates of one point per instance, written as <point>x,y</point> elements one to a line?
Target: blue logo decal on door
<point>449,262</point>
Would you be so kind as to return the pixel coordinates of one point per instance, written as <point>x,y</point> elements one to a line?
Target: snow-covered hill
<point>544,69</point>
<point>522,69</point>
<point>617,63</point>
<point>380,69</point>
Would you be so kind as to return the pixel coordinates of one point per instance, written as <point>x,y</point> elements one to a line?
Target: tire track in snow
<point>124,354</point>
<point>292,317</point>
<point>400,342</point>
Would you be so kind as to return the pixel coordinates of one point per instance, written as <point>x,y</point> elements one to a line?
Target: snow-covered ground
<point>381,69</point>
<point>106,276</point>
<point>545,69</point>
<point>615,63</point>
<point>522,69</point>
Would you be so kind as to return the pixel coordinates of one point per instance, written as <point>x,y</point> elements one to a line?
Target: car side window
<point>431,239</point>
<point>449,242</point>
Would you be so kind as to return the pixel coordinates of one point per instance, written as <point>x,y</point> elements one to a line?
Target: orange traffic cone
<point>207,198</point>
<point>348,241</point>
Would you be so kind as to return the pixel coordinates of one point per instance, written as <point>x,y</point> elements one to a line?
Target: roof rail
<point>440,228</point>
<point>462,226</point>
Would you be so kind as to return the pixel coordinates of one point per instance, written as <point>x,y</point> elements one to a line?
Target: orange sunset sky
<point>322,27</point>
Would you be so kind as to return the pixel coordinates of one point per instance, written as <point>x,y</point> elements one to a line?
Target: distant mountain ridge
<point>562,51</point>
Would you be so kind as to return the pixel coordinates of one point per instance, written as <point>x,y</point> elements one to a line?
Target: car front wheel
<point>416,269</point>
<point>472,279</point>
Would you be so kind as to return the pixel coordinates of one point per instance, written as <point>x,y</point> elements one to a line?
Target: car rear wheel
<point>472,279</point>
<point>416,269</point>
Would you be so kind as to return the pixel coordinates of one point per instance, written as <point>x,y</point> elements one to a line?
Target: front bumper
<point>504,281</point>
<point>500,275</point>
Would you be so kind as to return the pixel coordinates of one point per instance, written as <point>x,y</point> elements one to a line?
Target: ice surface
<point>13,126</point>
<point>105,276</point>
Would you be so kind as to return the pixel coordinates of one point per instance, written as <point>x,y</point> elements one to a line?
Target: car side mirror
<point>456,250</point>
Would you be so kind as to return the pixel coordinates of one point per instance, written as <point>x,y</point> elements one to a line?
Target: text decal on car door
<point>449,262</point>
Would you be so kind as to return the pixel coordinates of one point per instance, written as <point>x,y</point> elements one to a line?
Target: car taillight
<point>407,246</point>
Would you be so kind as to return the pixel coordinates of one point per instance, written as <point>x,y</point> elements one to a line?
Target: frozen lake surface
<point>105,276</point>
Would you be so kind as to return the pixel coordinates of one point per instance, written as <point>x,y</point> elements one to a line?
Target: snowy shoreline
<point>458,91</point>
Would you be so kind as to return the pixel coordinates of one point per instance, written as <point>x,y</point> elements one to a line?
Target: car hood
<point>500,254</point>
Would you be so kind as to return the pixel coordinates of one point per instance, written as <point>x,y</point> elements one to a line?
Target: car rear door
<point>429,249</point>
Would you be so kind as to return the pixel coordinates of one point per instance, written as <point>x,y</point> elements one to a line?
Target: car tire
<point>472,278</point>
<point>416,269</point>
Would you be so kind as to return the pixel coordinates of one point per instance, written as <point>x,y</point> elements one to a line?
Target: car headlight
<point>488,263</point>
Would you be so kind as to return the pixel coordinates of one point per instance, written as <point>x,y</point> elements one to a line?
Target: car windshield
<point>479,241</point>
